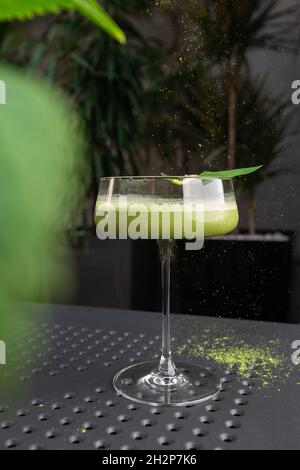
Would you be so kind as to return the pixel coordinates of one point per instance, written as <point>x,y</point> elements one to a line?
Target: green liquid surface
<point>207,220</point>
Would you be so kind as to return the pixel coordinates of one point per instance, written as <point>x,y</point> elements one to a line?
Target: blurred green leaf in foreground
<point>39,189</point>
<point>42,177</point>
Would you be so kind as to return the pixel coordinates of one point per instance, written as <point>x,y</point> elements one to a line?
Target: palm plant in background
<point>228,30</point>
<point>112,86</point>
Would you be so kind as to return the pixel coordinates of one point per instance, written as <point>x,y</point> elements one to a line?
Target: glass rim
<point>171,177</point>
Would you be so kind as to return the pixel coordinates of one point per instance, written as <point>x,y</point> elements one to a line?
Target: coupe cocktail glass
<point>167,209</point>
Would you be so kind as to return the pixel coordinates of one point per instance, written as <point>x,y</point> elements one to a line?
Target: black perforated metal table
<point>61,394</point>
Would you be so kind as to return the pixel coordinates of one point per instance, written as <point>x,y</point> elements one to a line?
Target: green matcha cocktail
<point>136,216</point>
<point>166,209</point>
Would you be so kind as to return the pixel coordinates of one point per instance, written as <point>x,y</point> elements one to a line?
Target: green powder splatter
<point>265,360</point>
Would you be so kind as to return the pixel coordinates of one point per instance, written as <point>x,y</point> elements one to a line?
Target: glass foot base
<point>143,384</point>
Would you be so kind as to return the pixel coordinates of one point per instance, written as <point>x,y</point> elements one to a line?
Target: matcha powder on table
<point>264,360</point>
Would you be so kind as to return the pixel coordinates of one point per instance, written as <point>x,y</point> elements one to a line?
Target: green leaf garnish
<point>223,175</point>
<point>228,174</point>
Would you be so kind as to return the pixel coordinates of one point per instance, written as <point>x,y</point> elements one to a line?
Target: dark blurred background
<point>200,85</point>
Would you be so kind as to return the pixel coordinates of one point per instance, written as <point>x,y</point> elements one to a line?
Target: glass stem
<point>166,366</point>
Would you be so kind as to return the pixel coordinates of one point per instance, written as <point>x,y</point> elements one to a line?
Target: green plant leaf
<point>92,10</point>
<point>25,9</point>
<point>223,175</point>
<point>228,174</point>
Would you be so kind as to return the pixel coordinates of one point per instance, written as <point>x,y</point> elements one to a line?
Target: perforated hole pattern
<point>72,405</point>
